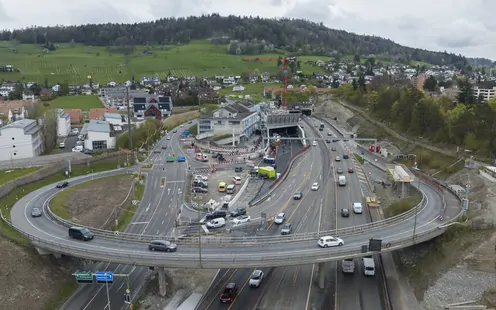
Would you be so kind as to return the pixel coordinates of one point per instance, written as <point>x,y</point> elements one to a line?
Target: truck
<point>269,172</point>
<point>342,180</point>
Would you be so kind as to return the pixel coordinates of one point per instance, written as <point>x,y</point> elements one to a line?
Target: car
<point>182,125</point>
<point>256,278</point>
<point>237,180</point>
<point>174,131</point>
<point>329,134</point>
<point>242,219</point>
<point>200,177</point>
<point>330,241</point>
<point>314,143</point>
<point>338,158</point>
<point>280,218</point>
<point>181,159</point>
<point>216,214</point>
<point>229,294</point>
<point>286,229</point>
<point>345,213</point>
<point>36,212</point>
<point>164,147</point>
<point>238,169</point>
<point>315,186</point>
<point>328,141</point>
<point>333,148</point>
<point>168,138</point>
<point>190,122</point>
<point>345,156</point>
<point>156,151</point>
<point>297,196</point>
<point>357,208</point>
<point>238,212</point>
<point>335,140</point>
<point>339,171</point>
<point>162,245</point>
<point>200,190</point>
<point>80,233</point>
<point>350,170</point>
<point>63,184</point>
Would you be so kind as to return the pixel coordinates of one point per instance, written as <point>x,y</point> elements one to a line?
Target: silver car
<point>286,229</point>
<point>280,218</point>
<point>162,245</point>
<point>36,212</point>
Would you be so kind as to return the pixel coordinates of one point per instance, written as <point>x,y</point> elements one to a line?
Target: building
<point>484,92</point>
<point>63,123</point>
<point>119,95</point>
<point>158,107</point>
<point>21,139</point>
<point>18,108</point>
<point>114,119</point>
<point>237,117</point>
<point>100,135</point>
<point>76,115</point>
<point>28,95</point>
<point>97,113</point>
<point>150,81</point>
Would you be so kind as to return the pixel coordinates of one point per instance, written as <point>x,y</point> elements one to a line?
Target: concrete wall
<point>52,169</point>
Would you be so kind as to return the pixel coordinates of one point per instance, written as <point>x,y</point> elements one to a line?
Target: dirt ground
<point>221,176</point>
<point>106,196</point>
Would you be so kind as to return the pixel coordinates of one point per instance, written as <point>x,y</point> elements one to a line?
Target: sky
<point>467,27</point>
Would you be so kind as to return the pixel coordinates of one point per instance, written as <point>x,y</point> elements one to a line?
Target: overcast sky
<point>460,26</point>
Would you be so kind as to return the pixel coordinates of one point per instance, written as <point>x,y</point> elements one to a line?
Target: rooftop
<point>99,126</point>
<point>112,115</point>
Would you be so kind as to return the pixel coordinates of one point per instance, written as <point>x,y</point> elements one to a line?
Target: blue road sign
<point>104,276</point>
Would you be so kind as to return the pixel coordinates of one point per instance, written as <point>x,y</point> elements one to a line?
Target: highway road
<point>155,216</point>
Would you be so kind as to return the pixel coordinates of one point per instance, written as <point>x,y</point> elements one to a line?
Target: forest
<point>251,35</point>
<point>468,122</point>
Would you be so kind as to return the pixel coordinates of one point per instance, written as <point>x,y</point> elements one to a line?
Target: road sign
<point>84,277</point>
<point>104,277</point>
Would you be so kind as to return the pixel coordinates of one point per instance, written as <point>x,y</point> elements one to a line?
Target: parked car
<point>162,245</point>
<point>216,214</point>
<point>238,212</point>
<point>200,190</point>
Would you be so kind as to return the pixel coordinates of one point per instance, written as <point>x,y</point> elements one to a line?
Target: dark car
<point>174,131</point>
<point>164,147</point>
<point>229,294</point>
<point>297,196</point>
<point>345,213</point>
<point>237,212</point>
<point>333,148</point>
<point>80,233</point>
<point>335,140</point>
<point>199,190</point>
<point>345,156</point>
<point>162,245</point>
<point>328,141</point>
<point>156,151</point>
<point>238,169</point>
<point>63,184</point>
<point>216,214</point>
<point>36,212</point>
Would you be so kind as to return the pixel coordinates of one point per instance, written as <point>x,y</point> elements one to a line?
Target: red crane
<point>286,62</point>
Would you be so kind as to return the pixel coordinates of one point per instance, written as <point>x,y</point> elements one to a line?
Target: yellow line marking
<point>239,293</point>
<point>222,288</point>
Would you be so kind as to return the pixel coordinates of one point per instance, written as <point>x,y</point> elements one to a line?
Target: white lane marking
<point>138,223</point>
<point>158,231</point>
<point>163,222</point>
<point>155,210</point>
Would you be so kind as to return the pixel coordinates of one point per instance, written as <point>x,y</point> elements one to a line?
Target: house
<point>74,89</point>
<point>7,68</point>
<point>56,88</point>
<point>265,76</point>
<point>5,115</point>
<point>63,123</point>
<point>238,88</point>
<point>18,108</point>
<point>4,92</point>
<point>27,95</point>
<point>158,107</point>
<point>114,119</point>
<point>76,115</point>
<point>253,77</point>
<point>237,117</point>
<point>21,139</point>
<point>229,81</point>
<point>97,113</point>
<point>150,81</point>
<point>112,84</point>
<point>100,135</point>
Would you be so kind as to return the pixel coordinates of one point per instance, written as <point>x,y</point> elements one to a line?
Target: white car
<point>357,208</point>
<point>242,219</point>
<point>280,218</point>
<point>314,143</point>
<point>315,186</point>
<point>201,177</point>
<point>256,278</point>
<point>338,158</point>
<point>168,137</point>
<point>327,241</point>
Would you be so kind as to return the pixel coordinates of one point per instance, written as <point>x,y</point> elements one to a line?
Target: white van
<point>357,207</point>
<point>342,180</point>
<point>216,223</point>
<point>348,265</point>
<point>368,266</point>
<point>231,188</point>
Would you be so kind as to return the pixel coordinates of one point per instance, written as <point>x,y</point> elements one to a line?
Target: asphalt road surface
<point>155,216</point>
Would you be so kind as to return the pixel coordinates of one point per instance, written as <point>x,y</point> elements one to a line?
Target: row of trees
<point>297,36</point>
<point>467,122</point>
<point>253,47</point>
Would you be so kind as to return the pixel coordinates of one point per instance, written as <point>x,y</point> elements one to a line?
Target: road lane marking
<point>239,293</point>
<point>138,223</point>
<point>163,222</point>
<point>157,232</point>
<point>222,288</point>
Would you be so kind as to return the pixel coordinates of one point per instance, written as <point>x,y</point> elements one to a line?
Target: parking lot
<point>69,142</point>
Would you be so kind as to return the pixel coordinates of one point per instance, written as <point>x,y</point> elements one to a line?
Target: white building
<point>63,123</point>
<point>113,118</point>
<point>486,93</point>
<point>99,135</point>
<point>21,139</point>
<point>238,117</point>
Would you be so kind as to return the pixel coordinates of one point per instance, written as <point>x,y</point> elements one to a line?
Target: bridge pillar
<point>45,252</point>
<point>321,275</point>
<point>403,190</point>
<point>162,281</point>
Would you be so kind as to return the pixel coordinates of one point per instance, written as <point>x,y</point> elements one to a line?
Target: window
<point>15,154</point>
<point>13,146</point>
<point>13,138</point>
<point>99,145</point>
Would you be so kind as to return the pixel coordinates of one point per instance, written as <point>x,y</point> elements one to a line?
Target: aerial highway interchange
<point>295,282</point>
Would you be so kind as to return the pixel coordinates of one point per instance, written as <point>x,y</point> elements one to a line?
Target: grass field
<point>84,103</point>
<point>255,91</point>
<point>9,175</point>
<point>75,63</point>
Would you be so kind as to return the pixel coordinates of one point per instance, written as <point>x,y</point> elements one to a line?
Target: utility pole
<point>129,120</point>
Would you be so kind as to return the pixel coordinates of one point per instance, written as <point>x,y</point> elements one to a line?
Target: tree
<point>466,94</point>
<point>64,89</point>
<point>356,58</point>
<point>430,83</point>
<point>361,83</point>
<point>354,84</point>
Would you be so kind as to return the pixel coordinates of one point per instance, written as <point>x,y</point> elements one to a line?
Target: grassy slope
<point>84,103</point>
<point>9,175</point>
<point>75,63</point>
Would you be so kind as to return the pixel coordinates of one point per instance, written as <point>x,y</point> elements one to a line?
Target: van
<point>342,180</point>
<point>368,266</point>
<point>357,208</point>
<point>217,223</point>
<point>222,187</point>
<point>80,233</point>
<point>348,265</point>
<point>231,188</point>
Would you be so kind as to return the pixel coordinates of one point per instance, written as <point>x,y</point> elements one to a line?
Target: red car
<point>350,170</point>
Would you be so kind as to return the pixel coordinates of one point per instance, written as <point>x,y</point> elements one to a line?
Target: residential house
<point>253,77</point>
<point>238,88</point>
<point>171,78</point>
<point>237,117</point>
<point>6,88</point>
<point>112,84</point>
<point>158,107</point>
<point>74,89</point>
<point>27,95</point>
<point>18,108</point>
<point>97,113</point>
<point>114,119</point>
<point>4,92</point>
<point>229,80</point>
<point>21,139</point>
<point>7,68</point>
<point>150,81</point>
<point>265,77</point>
<point>5,115</point>
<point>100,135</point>
<point>63,123</point>
<point>56,88</point>
<point>76,115</point>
